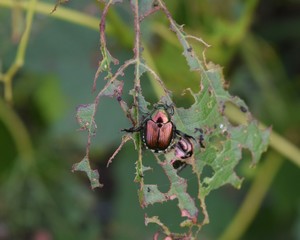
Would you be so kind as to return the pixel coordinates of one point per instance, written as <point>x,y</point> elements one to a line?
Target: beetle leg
<point>184,135</point>
<point>136,129</point>
<point>133,129</point>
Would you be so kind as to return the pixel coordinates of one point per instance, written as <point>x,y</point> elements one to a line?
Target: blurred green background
<point>257,43</point>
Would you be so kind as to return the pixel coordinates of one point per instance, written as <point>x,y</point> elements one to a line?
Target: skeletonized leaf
<point>223,141</point>
<point>84,116</point>
<point>105,65</point>
<point>93,175</point>
<point>150,195</point>
<point>178,190</point>
<point>114,89</point>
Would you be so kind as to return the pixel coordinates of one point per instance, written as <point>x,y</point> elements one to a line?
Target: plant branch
<point>103,24</point>
<point>148,13</point>
<point>137,87</point>
<point>157,78</point>
<point>101,93</point>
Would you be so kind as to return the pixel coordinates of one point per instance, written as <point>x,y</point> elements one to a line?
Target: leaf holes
<point>185,100</point>
<point>207,174</point>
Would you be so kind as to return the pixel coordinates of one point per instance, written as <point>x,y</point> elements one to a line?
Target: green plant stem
<point>254,198</point>
<point>18,132</point>
<point>61,13</point>
<point>19,59</point>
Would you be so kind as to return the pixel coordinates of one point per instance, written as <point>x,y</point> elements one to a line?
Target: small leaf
<point>85,117</point>
<point>105,65</point>
<point>93,175</point>
<point>114,89</point>
<point>151,195</point>
<point>141,69</point>
<point>143,104</point>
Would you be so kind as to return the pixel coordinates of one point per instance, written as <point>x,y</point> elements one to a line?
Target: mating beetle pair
<point>159,132</point>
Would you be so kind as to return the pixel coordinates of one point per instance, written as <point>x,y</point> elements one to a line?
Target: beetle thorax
<point>160,117</point>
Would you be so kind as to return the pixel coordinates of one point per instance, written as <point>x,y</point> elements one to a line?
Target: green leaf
<point>178,190</point>
<point>114,89</point>
<point>105,65</point>
<point>156,220</point>
<point>150,195</point>
<point>223,141</point>
<point>93,175</point>
<point>85,117</point>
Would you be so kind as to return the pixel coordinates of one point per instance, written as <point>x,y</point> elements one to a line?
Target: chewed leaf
<point>217,147</point>
<point>155,219</point>
<point>141,69</point>
<point>178,190</point>
<point>105,65</point>
<point>214,77</point>
<point>223,142</point>
<point>85,117</point>
<point>151,195</point>
<point>252,138</point>
<point>114,89</point>
<point>143,104</point>
<point>93,175</point>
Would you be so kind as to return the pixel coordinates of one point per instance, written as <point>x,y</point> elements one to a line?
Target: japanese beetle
<point>157,129</point>
<point>184,147</point>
